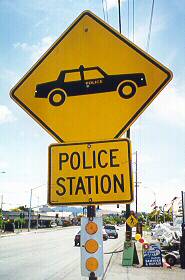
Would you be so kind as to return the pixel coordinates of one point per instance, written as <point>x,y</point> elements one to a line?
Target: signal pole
<point>136,183</point>
<point>128,235</point>
<point>91,213</point>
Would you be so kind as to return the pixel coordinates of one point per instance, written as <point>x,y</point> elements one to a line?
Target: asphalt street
<point>46,255</point>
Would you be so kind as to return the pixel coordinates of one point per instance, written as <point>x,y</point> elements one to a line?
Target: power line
<point>128,18</point>
<point>106,11</point>
<point>103,9</point>
<point>119,12</point>
<point>133,18</point>
<point>150,27</point>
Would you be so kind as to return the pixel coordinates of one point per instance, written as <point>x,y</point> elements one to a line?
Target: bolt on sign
<point>92,172</point>
<point>81,90</point>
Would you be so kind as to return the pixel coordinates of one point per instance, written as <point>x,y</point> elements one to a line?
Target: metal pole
<point>136,183</point>
<point>2,203</point>
<point>91,213</point>
<point>119,10</point>
<point>29,213</point>
<point>164,214</point>
<point>183,212</point>
<point>128,229</point>
<point>2,212</point>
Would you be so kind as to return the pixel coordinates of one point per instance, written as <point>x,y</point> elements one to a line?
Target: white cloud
<point>6,115</point>
<point>9,77</point>
<point>170,105</point>
<point>112,3</point>
<point>141,30</point>
<point>36,50</point>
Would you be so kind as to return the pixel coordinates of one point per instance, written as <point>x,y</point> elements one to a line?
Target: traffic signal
<point>91,247</point>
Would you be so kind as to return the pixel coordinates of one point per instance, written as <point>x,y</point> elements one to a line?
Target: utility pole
<point>1,212</point>
<point>128,235</point>
<point>2,202</point>
<point>183,211</point>
<point>136,183</point>
<point>29,212</point>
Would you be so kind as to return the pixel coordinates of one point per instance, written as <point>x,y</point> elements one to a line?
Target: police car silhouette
<point>91,80</point>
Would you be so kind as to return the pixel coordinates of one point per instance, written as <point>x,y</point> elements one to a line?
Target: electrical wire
<point>119,15</point>
<point>103,9</point>
<point>150,27</point>
<point>133,18</point>
<point>106,11</point>
<point>128,17</point>
<point>113,252</point>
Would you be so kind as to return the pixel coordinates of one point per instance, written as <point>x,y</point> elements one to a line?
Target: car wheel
<point>57,97</point>
<point>127,90</point>
<point>171,260</point>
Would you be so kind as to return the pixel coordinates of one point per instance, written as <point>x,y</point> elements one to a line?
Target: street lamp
<point>29,213</point>
<point>2,172</point>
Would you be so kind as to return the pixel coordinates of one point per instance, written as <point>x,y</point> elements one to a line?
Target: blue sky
<point>28,28</point>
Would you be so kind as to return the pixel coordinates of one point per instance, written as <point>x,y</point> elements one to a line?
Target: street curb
<point>33,231</point>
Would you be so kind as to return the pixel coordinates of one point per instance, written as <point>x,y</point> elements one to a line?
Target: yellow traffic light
<point>91,246</point>
<point>92,264</point>
<point>91,228</point>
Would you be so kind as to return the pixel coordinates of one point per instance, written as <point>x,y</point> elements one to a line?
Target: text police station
<point>89,184</point>
<point>90,172</point>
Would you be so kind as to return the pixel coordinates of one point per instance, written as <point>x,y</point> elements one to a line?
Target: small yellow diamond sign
<point>92,83</point>
<point>131,221</point>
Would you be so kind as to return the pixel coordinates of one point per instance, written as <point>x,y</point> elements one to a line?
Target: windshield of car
<point>72,76</point>
<point>110,227</point>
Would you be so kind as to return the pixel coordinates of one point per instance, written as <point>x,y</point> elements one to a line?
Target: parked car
<point>53,224</point>
<point>105,235</point>
<point>111,231</point>
<point>172,258</point>
<point>77,237</point>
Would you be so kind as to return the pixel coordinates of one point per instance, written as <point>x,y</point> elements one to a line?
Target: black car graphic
<point>91,80</point>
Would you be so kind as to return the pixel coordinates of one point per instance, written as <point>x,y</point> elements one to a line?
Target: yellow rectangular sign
<point>90,173</point>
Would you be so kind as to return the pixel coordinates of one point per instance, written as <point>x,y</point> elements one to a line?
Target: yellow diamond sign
<point>91,172</point>
<point>92,83</point>
<point>131,221</point>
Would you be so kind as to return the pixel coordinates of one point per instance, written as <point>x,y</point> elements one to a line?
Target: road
<point>46,255</point>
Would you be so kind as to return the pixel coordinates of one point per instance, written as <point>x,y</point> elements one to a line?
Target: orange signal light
<point>91,228</point>
<point>92,264</point>
<point>91,246</point>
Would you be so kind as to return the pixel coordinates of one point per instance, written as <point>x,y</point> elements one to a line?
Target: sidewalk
<point>117,272</point>
<point>25,231</point>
